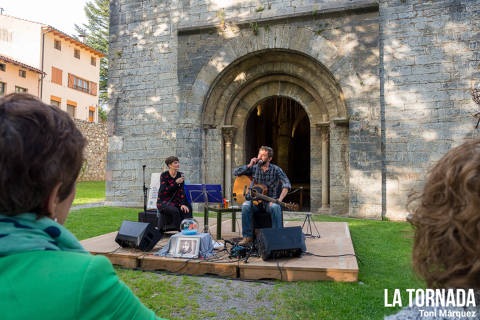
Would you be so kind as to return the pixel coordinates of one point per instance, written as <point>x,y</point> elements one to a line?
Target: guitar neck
<point>267,198</point>
<point>260,196</point>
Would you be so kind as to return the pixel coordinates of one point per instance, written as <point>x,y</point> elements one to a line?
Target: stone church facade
<point>359,98</point>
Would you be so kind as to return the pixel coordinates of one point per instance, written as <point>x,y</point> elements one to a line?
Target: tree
<point>95,32</point>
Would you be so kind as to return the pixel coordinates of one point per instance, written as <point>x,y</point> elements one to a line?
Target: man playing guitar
<point>266,173</point>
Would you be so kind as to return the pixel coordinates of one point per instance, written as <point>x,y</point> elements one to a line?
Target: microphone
<point>182,176</point>
<point>260,163</point>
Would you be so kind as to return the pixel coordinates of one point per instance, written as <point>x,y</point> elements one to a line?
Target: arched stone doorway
<point>284,73</point>
<point>283,124</point>
<point>250,68</point>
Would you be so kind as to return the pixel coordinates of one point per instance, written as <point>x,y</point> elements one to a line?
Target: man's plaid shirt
<point>274,178</point>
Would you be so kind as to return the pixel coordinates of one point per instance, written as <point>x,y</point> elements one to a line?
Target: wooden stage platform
<point>334,241</point>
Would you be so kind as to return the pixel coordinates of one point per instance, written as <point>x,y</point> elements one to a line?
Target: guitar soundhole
<point>256,190</point>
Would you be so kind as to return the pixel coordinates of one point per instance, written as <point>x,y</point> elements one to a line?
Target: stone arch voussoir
<point>298,39</point>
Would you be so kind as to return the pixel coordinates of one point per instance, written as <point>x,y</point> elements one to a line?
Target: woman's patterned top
<point>170,192</point>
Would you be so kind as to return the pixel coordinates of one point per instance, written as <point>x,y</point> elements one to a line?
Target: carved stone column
<point>228,132</point>
<point>325,132</point>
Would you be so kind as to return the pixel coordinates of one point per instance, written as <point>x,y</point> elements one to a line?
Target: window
<point>71,110</point>
<point>80,84</point>
<point>91,114</point>
<point>22,73</point>
<point>77,83</point>
<point>55,101</point>
<point>3,66</point>
<point>56,76</point>
<point>6,35</point>
<point>76,53</point>
<point>58,45</point>
<point>93,61</point>
<point>3,87</point>
<point>20,89</point>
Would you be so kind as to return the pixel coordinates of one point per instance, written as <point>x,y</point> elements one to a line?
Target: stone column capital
<point>228,133</point>
<point>324,129</point>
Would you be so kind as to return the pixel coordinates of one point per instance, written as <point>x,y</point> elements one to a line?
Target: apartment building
<point>18,77</point>
<point>71,68</point>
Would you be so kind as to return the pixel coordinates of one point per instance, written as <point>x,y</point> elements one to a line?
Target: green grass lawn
<point>385,252</point>
<point>91,222</point>
<point>383,247</point>
<point>89,191</point>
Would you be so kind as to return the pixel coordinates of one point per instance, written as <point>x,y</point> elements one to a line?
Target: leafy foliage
<point>96,35</point>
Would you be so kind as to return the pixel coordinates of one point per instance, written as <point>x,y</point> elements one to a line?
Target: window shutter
<point>70,80</point>
<point>93,88</point>
<point>56,76</point>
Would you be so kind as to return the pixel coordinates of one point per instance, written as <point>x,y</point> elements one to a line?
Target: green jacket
<point>64,285</point>
<point>45,273</point>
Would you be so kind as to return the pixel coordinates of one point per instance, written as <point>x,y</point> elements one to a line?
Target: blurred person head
<point>41,154</point>
<point>446,219</point>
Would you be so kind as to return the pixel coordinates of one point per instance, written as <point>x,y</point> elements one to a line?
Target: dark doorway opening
<point>283,124</point>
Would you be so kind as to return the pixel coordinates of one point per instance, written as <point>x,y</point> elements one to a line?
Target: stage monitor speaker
<point>149,216</point>
<point>278,243</point>
<point>138,235</point>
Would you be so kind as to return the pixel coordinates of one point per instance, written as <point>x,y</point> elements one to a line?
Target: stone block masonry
<point>163,62</point>
<point>430,62</point>
<point>95,152</point>
<point>183,71</point>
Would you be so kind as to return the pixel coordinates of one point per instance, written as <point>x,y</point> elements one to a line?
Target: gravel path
<point>219,298</point>
<point>234,299</point>
<point>226,298</point>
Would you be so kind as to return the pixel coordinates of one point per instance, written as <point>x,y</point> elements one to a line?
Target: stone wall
<point>159,51</point>
<point>431,61</point>
<point>95,152</point>
<point>405,69</point>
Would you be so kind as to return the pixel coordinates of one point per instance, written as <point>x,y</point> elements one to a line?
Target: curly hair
<point>446,219</point>
<point>40,147</point>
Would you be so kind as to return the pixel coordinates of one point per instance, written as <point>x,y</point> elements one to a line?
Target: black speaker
<point>138,235</point>
<point>150,216</point>
<point>278,243</point>
<point>262,219</point>
<point>161,222</point>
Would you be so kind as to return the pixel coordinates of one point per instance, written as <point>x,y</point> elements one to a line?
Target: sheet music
<point>153,191</point>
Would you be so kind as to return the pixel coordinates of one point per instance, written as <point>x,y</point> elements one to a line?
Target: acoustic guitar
<point>241,187</point>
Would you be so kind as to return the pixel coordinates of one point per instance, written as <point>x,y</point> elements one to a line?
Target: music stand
<point>308,221</point>
<point>204,193</point>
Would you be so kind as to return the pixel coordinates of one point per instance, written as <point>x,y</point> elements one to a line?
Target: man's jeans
<point>248,209</point>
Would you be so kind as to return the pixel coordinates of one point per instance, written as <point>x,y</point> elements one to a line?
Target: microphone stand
<point>144,192</point>
<point>255,176</point>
